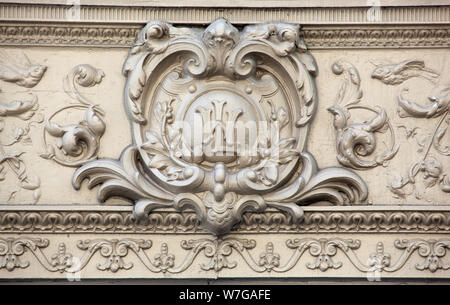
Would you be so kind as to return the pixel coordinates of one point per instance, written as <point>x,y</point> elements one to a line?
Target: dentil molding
<point>219,257</point>
<point>243,15</point>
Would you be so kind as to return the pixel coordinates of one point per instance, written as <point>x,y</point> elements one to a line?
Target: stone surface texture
<point>95,182</point>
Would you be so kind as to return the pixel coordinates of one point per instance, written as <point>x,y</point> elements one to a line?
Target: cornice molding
<point>376,37</point>
<point>123,36</point>
<point>236,3</point>
<point>201,15</point>
<point>119,219</point>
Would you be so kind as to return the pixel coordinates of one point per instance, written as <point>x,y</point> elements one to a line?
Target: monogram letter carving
<point>219,122</point>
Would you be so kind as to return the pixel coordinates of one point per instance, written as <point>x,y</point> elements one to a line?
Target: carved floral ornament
<point>19,70</point>
<point>438,106</point>
<point>220,254</point>
<point>219,123</point>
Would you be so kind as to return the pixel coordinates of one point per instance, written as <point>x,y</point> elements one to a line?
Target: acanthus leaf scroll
<point>219,122</point>
<point>76,143</point>
<point>356,140</point>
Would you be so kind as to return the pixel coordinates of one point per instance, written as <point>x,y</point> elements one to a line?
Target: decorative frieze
<point>323,37</point>
<point>215,255</point>
<point>110,220</point>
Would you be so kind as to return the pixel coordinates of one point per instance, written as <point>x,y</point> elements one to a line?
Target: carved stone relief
<point>77,143</point>
<point>219,122</point>
<point>20,71</point>
<point>437,107</point>
<point>356,140</point>
<point>231,166</point>
<point>220,254</point>
<point>399,220</point>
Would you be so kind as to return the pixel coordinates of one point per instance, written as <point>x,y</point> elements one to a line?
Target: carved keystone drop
<point>219,123</point>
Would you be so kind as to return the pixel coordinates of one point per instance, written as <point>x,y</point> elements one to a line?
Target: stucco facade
<point>341,173</point>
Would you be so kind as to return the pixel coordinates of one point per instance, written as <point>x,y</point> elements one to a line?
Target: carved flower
<point>160,158</point>
<point>280,153</point>
<point>269,259</point>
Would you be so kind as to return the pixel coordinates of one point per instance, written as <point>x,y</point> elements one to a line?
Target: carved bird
<point>357,139</point>
<point>394,74</point>
<point>21,72</point>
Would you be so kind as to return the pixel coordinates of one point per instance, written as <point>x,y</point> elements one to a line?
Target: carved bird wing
<point>406,65</point>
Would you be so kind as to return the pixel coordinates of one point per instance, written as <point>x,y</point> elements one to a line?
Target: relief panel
<point>410,136</point>
<point>272,158</point>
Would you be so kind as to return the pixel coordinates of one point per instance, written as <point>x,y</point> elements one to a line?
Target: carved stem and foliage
<point>224,80</point>
<point>437,107</point>
<point>12,248</point>
<point>77,143</point>
<point>20,71</point>
<point>219,251</point>
<point>23,110</point>
<point>113,250</point>
<point>356,140</point>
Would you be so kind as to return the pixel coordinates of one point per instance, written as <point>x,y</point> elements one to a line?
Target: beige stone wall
<point>397,232</point>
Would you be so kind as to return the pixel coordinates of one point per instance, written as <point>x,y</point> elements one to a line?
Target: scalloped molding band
<point>123,36</point>
<point>97,219</point>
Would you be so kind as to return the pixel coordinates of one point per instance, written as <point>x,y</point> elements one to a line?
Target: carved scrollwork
<point>113,250</point>
<point>23,110</point>
<point>77,143</point>
<point>22,73</point>
<point>437,107</point>
<point>219,251</point>
<point>356,140</point>
<point>431,250</point>
<point>324,249</point>
<point>224,80</point>
<point>12,248</point>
